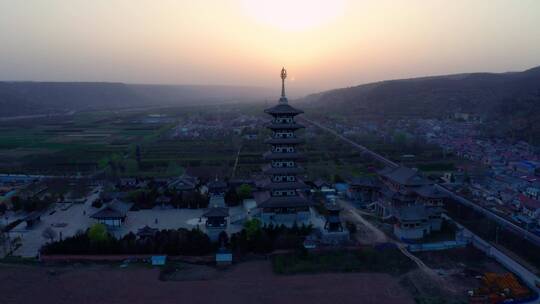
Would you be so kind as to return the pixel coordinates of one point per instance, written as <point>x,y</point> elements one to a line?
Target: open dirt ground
<point>251,282</point>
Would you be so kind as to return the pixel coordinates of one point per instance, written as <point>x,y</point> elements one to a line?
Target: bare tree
<point>49,234</point>
<point>3,240</point>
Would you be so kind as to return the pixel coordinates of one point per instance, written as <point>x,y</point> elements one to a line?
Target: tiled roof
<point>216,212</point>
<point>268,169</point>
<point>115,209</point>
<point>264,200</point>
<point>404,176</point>
<point>277,155</point>
<point>283,108</point>
<point>528,202</point>
<point>412,213</point>
<point>291,141</point>
<point>430,191</point>
<point>284,126</point>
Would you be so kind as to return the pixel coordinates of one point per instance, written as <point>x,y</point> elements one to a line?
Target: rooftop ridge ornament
<point>283,98</point>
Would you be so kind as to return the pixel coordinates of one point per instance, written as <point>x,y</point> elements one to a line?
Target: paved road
<point>362,148</point>
<point>499,219</point>
<point>380,237</point>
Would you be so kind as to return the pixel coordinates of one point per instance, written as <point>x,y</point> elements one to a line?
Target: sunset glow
<point>326,43</point>
<point>294,15</point>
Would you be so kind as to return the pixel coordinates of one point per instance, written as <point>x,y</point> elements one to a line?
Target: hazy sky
<point>323,44</point>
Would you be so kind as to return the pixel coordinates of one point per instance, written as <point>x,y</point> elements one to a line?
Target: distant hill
<point>197,94</point>
<point>23,98</point>
<point>28,98</point>
<point>478,93</point>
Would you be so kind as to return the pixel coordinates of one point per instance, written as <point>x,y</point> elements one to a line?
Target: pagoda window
<point>283,120</point>
<point>278,178</point>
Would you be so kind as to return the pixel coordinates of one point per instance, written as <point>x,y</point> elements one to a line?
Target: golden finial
<point>283,76</point>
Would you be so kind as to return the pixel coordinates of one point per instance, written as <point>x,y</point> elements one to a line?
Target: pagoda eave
<point>287,126</point>
<point>282,170</point>
<point>284,141</point>
<point>283,109</point>
<point>285,202</point>
<point>282,156</point>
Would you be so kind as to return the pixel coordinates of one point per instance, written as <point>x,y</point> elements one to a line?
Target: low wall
<point>436,246</point>
<point>120,257</point>
<point>524,274</point>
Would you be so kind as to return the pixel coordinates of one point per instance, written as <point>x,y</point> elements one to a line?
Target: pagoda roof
<point>284,126</point>
<point>270,185</point>
<point>280,155</point>
<point>290,140</point>
<point>333,207</point>
<point>268,169</point>
<point>265,200</point>
<point>216,212</point>
<point>283,108</point>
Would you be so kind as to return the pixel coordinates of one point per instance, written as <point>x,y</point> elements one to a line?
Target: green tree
<point>98,233</point>
<point>244,191</point>
<point>253,228</point>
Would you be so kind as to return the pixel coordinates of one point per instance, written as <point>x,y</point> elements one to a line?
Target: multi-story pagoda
<point>282,202</point>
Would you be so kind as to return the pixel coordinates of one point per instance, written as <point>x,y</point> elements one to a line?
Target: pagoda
<point>282,201</point>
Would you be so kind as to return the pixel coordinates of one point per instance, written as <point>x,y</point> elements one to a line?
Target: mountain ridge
<point>478,93</point>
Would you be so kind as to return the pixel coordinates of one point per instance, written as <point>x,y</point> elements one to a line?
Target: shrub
<point>98,233</point>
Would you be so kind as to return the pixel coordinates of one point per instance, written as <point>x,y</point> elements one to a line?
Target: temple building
<point>216,221</point>
<point>283,201</point>
<point>333,220</point>
<point>412,200</point>
<point>113,214</point>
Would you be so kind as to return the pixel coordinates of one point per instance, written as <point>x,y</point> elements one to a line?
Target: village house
<point>533,190</point>
<point>530,208</point>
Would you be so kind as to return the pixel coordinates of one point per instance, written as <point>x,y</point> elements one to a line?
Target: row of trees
<point>258,239</point>
<point>146,198</point>
<point>253,238</point>
<point>97,240</point>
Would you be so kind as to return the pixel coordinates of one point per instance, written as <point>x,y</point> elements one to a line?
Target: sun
<point>294,15</point>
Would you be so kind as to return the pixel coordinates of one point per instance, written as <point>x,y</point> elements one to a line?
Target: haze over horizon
<point>323,44</point>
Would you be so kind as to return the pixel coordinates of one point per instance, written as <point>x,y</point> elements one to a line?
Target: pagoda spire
<point>283,98</point>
